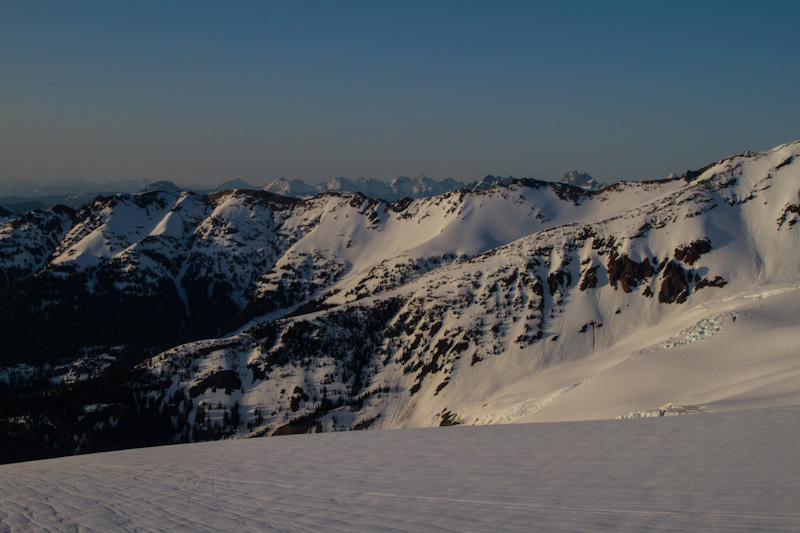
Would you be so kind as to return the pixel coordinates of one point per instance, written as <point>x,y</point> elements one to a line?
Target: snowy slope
<point>717,472</point>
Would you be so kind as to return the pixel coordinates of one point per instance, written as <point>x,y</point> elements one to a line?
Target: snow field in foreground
<point>733,471</point>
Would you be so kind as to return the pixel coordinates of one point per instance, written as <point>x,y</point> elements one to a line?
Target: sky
<point>206,92</point>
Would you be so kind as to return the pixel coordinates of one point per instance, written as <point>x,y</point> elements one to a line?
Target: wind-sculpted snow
<point>723,472</point>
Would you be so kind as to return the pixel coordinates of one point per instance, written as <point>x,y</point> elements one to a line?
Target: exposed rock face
<point>627,272</point>
<point>560,278</point>
<point>674,285</point>
<point>589,279</point>
<point>718,281</point>
<point>692,252</point>
<point>790,215</point>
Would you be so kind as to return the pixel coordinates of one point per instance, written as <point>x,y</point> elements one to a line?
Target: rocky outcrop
<point>692,251</point>
<point>626,272</point>
<point>674,285</point>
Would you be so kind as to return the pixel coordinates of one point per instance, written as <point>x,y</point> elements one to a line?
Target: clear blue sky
<point>205,92</point>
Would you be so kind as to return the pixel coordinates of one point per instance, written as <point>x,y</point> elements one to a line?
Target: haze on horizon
<point>202,92</point>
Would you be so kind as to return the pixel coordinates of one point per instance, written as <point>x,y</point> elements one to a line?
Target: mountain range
<point>42,197</point>
<point>170,316</point>
<point>403,187</point>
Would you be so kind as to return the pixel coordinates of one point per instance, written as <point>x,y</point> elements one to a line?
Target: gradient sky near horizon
<point>205,92</point>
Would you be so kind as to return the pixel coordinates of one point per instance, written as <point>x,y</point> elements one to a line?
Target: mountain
<point>422,187</point>
<point>36,189</point>
<point>402,187</point>
<point>232,184</point>
<point>22,204</point>
<point>576,178</point>
<point>488,182</point>
<point>293,188</point>
<point>369,187</point>
<point>83,193</point>
<point>164,185</point>
<point>245,313</point>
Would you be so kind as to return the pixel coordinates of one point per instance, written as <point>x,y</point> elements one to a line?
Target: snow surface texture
<point>719,472</point>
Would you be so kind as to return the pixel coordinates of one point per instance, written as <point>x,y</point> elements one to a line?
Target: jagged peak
<point>583,180</point>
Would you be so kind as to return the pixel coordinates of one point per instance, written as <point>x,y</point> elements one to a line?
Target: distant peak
<point>233,184</point>
<point>293,188</point>
<point>490,181</point>
<point>164,185</point>
<point>578,178</point>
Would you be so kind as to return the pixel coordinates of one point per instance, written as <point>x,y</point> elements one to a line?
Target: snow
<point>713,359</point>
<point>734,471</point>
